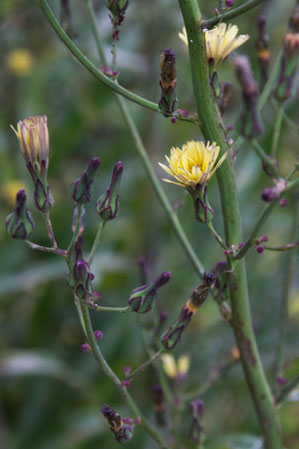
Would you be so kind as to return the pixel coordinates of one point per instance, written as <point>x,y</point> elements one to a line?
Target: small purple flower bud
<point>260,249</point>
<point>83,279</point>
<point>240,246</point>
<point>126,383</point>
<point>173,120</point>
<point>281,380</point>
<point>85,347</point>
<point>283,202</point>
<point>216,11</point>
<point>264,238</point>
<point>19,223</point>
<point>98,335</point>
<point>107,204</point>
<point>272,193</point>
<point>141,298</point>
<point>229,128</point>
<point>82,188</point>
<point>127,370</point>
<point>229,3</point>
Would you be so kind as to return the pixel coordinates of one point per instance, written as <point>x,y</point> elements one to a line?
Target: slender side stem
<point>113,309</point>
<point>49,227</point>
<point>172,216</point>
<point>78,210</point>
<point>146,363</point>
<point>108,371</point>
<point>270,83</point>
<point>94,29</point>
<point>287,247</point>
<point>210,23</point>
<point>96,242</point>
<point>216,235</point>
<point>287,389</point>
<point>95,71</point>
<point>241,316</point>
<point>277,130</point>
<point>264,157</point>
<point>289,264</point>
<point>45,249</point>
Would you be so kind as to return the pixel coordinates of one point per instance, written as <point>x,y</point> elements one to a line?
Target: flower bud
<point>117,7</point>
<point>273,193</point>
<point>83,279</point>
<point>168,101</point>
<point>82,188</point>
<point>197,413</point>
<point>141,299</point>
<point>107,204</point>
<point>123,429</point>
<point>19,223</point>
<point>203,210</point>
<point>159,405</point>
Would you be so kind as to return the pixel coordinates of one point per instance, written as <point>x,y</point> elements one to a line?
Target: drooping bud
<point>33,137</point>
<point>274,192</point>
<point>173,335</point>
<point>262,47</point>
<point>168,101</point>
<point>82,188</point>
<point>117,7</point>
<point>123,429</point>
<point>203,210</point>
<point>197,413</point>
<point>107,204</point>
<point>250,121</point>
<point>141,299</point>
<point>19,223</point>
<point>159,405</point>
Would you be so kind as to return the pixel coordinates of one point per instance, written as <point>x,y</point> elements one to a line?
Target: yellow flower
<point>19,62</point>
<point>220,41</point>
<point>193,164</point>
<point>175,370</point>
<point>33,137</point>
<point>9,191</point>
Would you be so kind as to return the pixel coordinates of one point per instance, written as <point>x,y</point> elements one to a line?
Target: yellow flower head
<point>19,62</point>
<point>193,164</point>
<point>220,41</point>
<point>9,190</point>
<point>33,137</point>
<point>173,369</point>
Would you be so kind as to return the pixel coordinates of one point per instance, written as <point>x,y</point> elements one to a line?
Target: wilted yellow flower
<point>19,62</point>
<point>220,41</point>
<point>33,136</point>
<point>9,191</point>
<point>193,164</point>
<point>175,370</point>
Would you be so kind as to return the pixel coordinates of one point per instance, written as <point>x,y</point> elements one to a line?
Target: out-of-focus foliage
<point>51,393</point>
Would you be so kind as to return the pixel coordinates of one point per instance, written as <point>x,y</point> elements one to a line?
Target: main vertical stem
<point>241,316</point>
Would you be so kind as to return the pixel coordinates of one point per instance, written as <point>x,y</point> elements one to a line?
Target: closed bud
<point>123,429</point>
<point>83,279</point>
<point>274,192</point>
<point>141,299</point>
<point>203,210</point>
<point>174,333</point>
<point>107,204</point>
<point>197,413</point>
<point>82,188</point>
<point>117,7</point>
<point>19,223</point>
<point>168,101</point>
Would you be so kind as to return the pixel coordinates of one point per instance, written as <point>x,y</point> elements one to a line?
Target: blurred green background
<point>51,392</point>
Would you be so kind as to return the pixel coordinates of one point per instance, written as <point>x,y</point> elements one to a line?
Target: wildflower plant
<point>193,167</point>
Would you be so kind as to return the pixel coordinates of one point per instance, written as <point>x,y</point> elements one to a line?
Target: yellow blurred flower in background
<point>20,62</point>
<point>9,191</point>
<point>173,369</point>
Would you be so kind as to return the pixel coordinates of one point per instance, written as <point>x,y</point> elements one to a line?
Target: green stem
<point>79,210</point>
<point>146,363</point>
<point>45,249</point>
<point>216,235</point>
<point>287,389</point>
<point>277,130</point>
<point>109,372</point>
<point>210,23</point>
<point>271,162</point>
<point>172,216</point>
<point>241,315</point>
<point>47,219</point>
<point>270,83</point>
<point>113,309</point>
<point>95,33</point>
<point>96,242</point>
<point>287,247</point>
<point>94,70</point>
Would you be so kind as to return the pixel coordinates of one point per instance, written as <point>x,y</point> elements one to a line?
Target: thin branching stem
<point>235,12</point>
<point>277,130</point>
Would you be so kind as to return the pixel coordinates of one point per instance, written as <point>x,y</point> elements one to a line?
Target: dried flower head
<point>220,41</point>
<point>192,165</point>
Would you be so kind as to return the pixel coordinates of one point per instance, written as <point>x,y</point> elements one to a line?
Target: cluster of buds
<point>159,405</point>
<point>19,223</point>
<point>122,428</point>
<point>289,60</point>
<point>259,243</point>
<point>173,335</point>
<point>274,192</point>
<point>263,52</point>
<point>107,204</point>
<point>33,137</point>
<point>168,101</point>
<point>117,9</point>
<point>141,298</point>
<point>82,188</point>
<point>250,123</point>
<point>197,413</point>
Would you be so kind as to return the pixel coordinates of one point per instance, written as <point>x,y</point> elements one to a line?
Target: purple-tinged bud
<point>174,333</point>
<point>264,238</point>
<point>117,7</point>
<point>273,193</point>
<point>260,249</point>
<point>159,405</point>
<point>123,429</point>
<point>173,120</point>
<point>281,380</point>
<point>98,335</point>
<point>82,188</point>
<point>19,223</point>
<point>283,202</point>
<point>216,11</point>
<point>107,204</point>
<point>229,128</point>
<point>168,101</point>
<point>85,347</point>
<point>126,383</point>
<point>197,413</point>
<point>83,280</point>
<point>203,210</point>
<point>141,298</point>
<point>229,3</point>
<point>127,370</point>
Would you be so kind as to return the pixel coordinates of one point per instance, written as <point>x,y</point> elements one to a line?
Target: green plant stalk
<point>265,158</point>
<point>127,116</point>
<point>277,129</point>
<point>210,23</point>
<point>96,242</point>
<point>108,371</point>
<point>241,316</point>
<point>269,86</point>
<point>109,82</point>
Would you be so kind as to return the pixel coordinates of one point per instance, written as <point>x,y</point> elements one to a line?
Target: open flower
<point>176,370</point>
<point>193,165</point>
<point>220,41</point>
